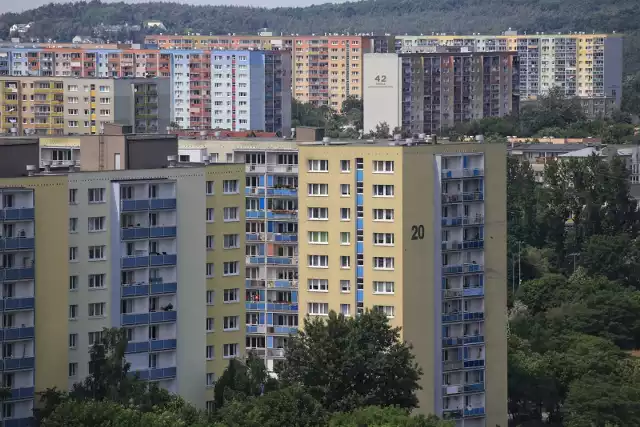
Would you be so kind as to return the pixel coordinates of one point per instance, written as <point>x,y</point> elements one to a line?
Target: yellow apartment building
<point>417,232</point>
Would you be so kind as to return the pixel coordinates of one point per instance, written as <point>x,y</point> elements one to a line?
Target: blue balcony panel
<point>159,260</point>
<point>162,316</point>
<point>22,333</point>
<point>133,233</point>
<point>282,307</point>
<point>282,215</point>
<point>359,175</point>
<point>18,422</point>
<point>254,306</point>
<point>448,318</point>
<point>251,237</point>
<point>474,388</point>
<point>478,315</point>
<point>474,412</point>
<point>135,205</point>
<point>19,214</point>
<point>162,204</point>
<point>478,363</point>
<point>135,290</point>
<point>163,232</point>
<point>164,345</point>
<point>163,288</point>
<point>454,414</point>
<point>135,319</point>
<point>134,262</point>
<point>473,292</point>
<point>17,243</point>
<point>285,330</point>
<point>475,339</point>
<point>285,237</point>
<point>452,341</point>
<point>26,303</point>
<point>283,192</point>
<point>137,347</point>
<point>21,393</point>
<point>285,284</point>
<point>19,364</point>
<point>17,273</point>
<point>253,329</point>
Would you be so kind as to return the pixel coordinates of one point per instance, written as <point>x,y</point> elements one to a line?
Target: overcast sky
<point>18,6</point>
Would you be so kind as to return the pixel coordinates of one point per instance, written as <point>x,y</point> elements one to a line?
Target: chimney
<point>173,160</point>
<point>31,170</point>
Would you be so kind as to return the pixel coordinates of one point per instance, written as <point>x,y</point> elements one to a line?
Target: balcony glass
<point>160,232</point>
<point>133,233</point>
<point>158,287</point>
<point>26,303</point>
<point>135,319</point>
<point>19,363</point>
<point>22,393</point>
<point>159,260</point>
<point>135,290</point>
<point>17,243</point>
<point>17,214</point>
<point>134,261</point>
<point>162,316</point>
<point>163,345</point>
<point>21,333</point>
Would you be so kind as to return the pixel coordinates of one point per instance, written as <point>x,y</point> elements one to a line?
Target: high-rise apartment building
<point>57,106</point>
<point>417,232</point>
<point>583,65</point>
<point>428,92</point>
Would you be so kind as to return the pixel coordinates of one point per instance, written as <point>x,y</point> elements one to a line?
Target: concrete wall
<point>382,90</point>
<point>16,154</point>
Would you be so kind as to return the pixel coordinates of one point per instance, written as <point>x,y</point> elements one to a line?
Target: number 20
<point>417,232</point>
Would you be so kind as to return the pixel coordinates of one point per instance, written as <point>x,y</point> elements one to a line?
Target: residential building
<point>583,65</point>
<point>540,154</point>
<point>61,106</point>
<point>33,277</point>
<point>429,256</point>
<point>271,202</point>
<point>428,92</point>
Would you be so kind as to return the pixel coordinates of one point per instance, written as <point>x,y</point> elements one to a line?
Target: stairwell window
<point>318,309</point>
<point>383,190</point>
<point>319,261</point>
<point>318,285</point>
<point>318,165</point>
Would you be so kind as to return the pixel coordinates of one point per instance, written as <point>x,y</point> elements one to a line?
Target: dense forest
<point>64,21</point>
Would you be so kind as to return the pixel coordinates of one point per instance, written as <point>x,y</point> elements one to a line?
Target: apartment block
<point>583,65</point>
<point>271,192</point>
<point>429,256</point>
<point>428,92</point>
<point>60,106</point>
<point>33,276</point>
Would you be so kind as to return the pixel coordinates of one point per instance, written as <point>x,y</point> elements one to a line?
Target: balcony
<point>153,345</point>
<point>18,422</point>
<point>156,374</point>
<point>157,260</point>
<point>18,334</point>
<point>474,388</point>
<point>134,261</point>
<point>21,393</point>
<point>476,291</point>
<point>261,306</point>
<point>474,412</point>
<point>477,219</point>
<point>285,237</point>
<point>147,204</point>
<point>134,290</point>
<point>472,364</point>
<point>464,245</point>
<point>282,192</point>
<point>454,414</point>
<point>271,260</point>
<point>18,364</point>
<point>287,284</point>
<point>162,316</point>
<point>135,319</point>
<point>158,287</point>
<point>162,232</point>
<point>452,365</point>
<point>134,233</point>
<point>462,268</point>
<point>9,304</point>
<point>462,173</point>
<point>16,273</point>
<point>17,214</point>
<point>275,352</point>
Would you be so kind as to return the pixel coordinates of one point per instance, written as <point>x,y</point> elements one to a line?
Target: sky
<point>18,6</point>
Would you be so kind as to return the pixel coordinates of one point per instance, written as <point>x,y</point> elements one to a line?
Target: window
<point>210,187</point>
<point>318,285</point>
<point>73,225</point>
<point>96,223</point>
<point>96,253</point>
<point>231,241</point>
<point>345,261</point>
<point>231,323</point>
<point>96,195</point>
<point>73,194</point>
<point>230,350</point>
<point>209,324</point>
<point>73,340</point>
<point>345,165</point>
<point>211,379</point>
<point>153,361</point>
<point>383,287</point>
<point>209,269</point>
<point>319,237</point>
<point>73,311</point>
<point>383,166</point>
<point>318,308</point>
<point>345,214</point>
<point>96,281</point>
<point>319,214</point>
<point>210,405</point>
<point>382,190</point>
<point>230,186</point>
<point>95,337</point>
<point>231,214</point>
<point>209,215</point>
<point>231,268</point>
<point>383,214</point>
<point>387,310</point>
<point>345,286</point>
<point>345,238</point>
<point>383,263</point>
<point>73,253</point>
<point>318,165</point>
<point>383,239</point>
<point>319,261</point>
<point>210,297</point>
<point>209,353</point>
<point>318,189</point>
<point>345,190</point>
<point>73,283</point>
<point>73,370</point>
<point>231,295</point>
<point>96,309</point>
<point>209,242</point>
<point>345,309</point>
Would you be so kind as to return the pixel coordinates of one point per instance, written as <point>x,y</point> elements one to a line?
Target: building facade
<point>583,65</point>
<point>429,256</point>
<point>428,92</point>
<point>62,106</point>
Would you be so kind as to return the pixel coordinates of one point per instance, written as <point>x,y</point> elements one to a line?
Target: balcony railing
<point>462,173</point>
<point>17,273</point>
<point>272,214</point>
<point>17,334</point>
<point>18,364</point>
<point>17,243</point>
<point>460,197</point>
<point>262,306</point>
<point>153,345</point>
<point>164,259</point>
<point>10,304</point>
<point>159,287</point>
<point>156,374</point>
<point>464,245</point>
<point>21,393</point>
<point>17,214</point>
<point>134,261</point>
<point>163,316</point>
<point>147,204</point>
<point>133,233</point>
<point>474,412</point>
<point>477,219</point>
<point>462,268</point>
<point>134,290</point>
<point>272,260</point>
<point>459,317</point>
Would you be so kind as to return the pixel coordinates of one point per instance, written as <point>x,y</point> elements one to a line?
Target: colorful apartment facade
<point>428,92</point>
<point>429,256</point>
<point>65,105</point>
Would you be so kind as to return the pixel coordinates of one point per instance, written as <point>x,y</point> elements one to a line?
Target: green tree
<point>243,379</point>
<point>348,363</point>
<point>375,416</point>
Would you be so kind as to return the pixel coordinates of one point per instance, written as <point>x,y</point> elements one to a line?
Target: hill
<point>63,21</point>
